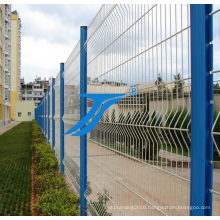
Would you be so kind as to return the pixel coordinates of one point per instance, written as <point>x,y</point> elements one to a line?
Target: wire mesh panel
<point>216,125</point>
<point>57,116</point>
<point>139,153</point>
<point>72,116</point>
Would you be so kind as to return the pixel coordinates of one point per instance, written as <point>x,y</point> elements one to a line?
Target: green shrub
<point>49,181</point>
<point>60,202</point>
<point>54,196</point>
<point>178,119</point>
<point>101,205</point>
<point>112,134</point>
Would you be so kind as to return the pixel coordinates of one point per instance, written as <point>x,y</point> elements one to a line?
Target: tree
<point>162,90</point>
<point>160,84</point>
<point>178,86</point>
<point>216,88</point>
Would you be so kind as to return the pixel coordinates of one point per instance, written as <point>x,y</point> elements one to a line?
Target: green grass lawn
<point>15,170</point>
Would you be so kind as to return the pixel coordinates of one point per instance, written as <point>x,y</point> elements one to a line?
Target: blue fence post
<point>41,109</point>
<point>202,109</point>
<point>83,110</point>
<point>42,122</point>
<point>53,112</point>
<point>48,114</point>
<point>40,113</point>
<point>61,118</point>
<point>44,115</point>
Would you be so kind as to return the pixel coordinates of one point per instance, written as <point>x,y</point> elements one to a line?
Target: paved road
<point>173,157</point>
<point>135,187</point>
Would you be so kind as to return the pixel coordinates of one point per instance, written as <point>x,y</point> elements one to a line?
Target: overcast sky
<point>50,32</point>
<point>48,35</point>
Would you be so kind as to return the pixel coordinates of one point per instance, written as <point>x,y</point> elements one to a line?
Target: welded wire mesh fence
<point>144,139</point>
<point>72,116</point>
<point>216,125</point>
<point>138,155</point>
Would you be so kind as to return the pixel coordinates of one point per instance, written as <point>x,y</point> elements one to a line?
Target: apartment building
<point>34,91</point>
<point>15,92</point>
<point>5,62</point>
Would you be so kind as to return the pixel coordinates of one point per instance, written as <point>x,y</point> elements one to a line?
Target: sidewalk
<point>173,157</point>
<point>7,127</point>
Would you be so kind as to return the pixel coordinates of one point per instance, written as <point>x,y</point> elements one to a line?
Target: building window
<point>19,114</point>
<point>29,114</point>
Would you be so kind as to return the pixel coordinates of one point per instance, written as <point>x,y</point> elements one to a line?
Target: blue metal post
<point>48,114</point>
<point>61,118</point>
<point>41,114</point>
<point>46,106</point>
<point>45,114</point>
<point>202,110</point>
<point>53,113</point>
<point>42,122</point>
<point>83,110</point>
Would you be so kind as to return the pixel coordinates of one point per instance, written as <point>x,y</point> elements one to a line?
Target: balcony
<point>6,35</point>
<point>27,100</point>
<point>27,95</point>
<point>6,52</point>
<point>38,96</point>
<point>7,102</point>
<point>7,85</point>
<point>8,73</point>
<point>38,90</point>
<point>6,68</point>
<point>36,84</point>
